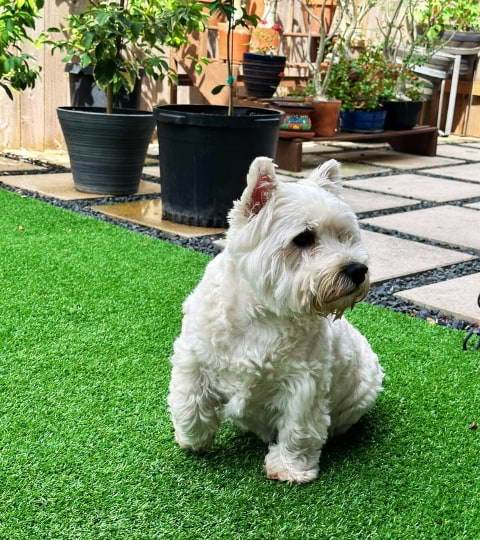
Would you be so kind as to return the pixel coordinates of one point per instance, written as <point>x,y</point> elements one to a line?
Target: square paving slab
<point>60,186</point>
<point>450,224</point>
<point>9,165</point>
<point>149,214</point>
<point>348,168</point>
<point>365,201</point>
<point>470,171</point>
<point>420,187</point>
<point>474,205</point>
<point>152,170</point>
<point>460,152</point>
<point>392,257</point>
<point>455,297</point>
<point>397,160</point>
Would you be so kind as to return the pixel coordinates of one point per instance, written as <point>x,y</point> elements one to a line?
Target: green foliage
<point>401,84</point>
<point>16,69</point>
<point>358,82</point>
<point>440,15</point>
<point>120,39</point>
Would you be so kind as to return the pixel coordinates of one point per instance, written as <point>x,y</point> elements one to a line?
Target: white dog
<point>263,343</point>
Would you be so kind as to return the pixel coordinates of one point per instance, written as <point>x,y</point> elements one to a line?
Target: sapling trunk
<point>110,99</point>
<point>229,68</point>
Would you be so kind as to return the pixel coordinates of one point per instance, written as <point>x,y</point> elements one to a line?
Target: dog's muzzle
<point>356,272</point>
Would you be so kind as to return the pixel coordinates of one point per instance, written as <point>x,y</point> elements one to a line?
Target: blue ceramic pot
<point>362,121</point>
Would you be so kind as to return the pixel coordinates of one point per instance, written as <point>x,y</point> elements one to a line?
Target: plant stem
<point>110,99</point>
<point>229,68</point>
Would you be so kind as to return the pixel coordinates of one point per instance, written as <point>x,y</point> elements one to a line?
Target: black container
<point>107,151</point>
<point>205,156</point>
<point>262,73</point>
<point>84,91</point>
<point>402,115</point>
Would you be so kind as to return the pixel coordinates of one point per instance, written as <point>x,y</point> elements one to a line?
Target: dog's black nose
<point>356,272</point>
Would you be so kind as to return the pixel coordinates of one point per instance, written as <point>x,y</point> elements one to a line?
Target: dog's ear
<point>328,176</point>
<point>261,184</point>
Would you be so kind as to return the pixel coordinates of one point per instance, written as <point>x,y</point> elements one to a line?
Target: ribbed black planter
<point>205,156</point>
<point>107,151</point>
<point>84,91</point>
<point>262,73</point>
<point>402,115</point>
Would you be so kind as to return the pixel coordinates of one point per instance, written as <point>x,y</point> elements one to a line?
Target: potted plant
<point>358,83</point>
<point>205,150</point>
<point>262,68</point>
<point>16,69</point>
<point>107,146</point>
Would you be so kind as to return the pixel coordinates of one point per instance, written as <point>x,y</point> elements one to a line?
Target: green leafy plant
<point>16,69</point>
<point>235,17</point>
<point>439,15</point>
<point>120,39</point>
<point>358,82</point>
<point>401,84</point>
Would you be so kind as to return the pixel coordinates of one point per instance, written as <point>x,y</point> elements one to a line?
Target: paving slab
<point>365,201</point>
<point>473,205</point>
<point>11,165</point>
<point>348,168</point>
<point>469,171</point>
<point>152,170</point>
<point>473,144</point>
<point>397,160</point>
<point>392,257</point>
<point>420,187</point>
<point>60,186</point>
<point>149,214</point>
<point>352,145</point>
<point>456,297</point>
<point>459,152</point>
<point>318,148</point>
<point>454,225</point>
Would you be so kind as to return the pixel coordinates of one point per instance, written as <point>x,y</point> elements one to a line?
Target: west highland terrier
<point>263,341</point>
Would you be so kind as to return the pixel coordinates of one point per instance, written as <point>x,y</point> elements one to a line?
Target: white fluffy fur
<point>263,343</point>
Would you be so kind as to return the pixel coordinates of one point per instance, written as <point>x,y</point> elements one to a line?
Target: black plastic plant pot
<point>205,156</point>
<point>402,115</point>
<point>107,151</point>
<point>84,91</point>
<point>262,73</point>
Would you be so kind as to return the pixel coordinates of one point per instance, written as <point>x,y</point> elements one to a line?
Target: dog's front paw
<point>194,446</point>
<point>286,470</point>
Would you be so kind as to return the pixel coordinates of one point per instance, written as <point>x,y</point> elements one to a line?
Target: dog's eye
<point>344,236</point>
<point>304,239</point>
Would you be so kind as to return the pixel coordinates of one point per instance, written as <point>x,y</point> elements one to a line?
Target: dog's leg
<point>193,406</point>
<point>302,432</point>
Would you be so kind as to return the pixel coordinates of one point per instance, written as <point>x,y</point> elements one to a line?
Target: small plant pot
<point>296,117</point>
<point>241,41</point>
<point>262,73</point>
<point>84,92</point>
<point>107,151</point>
<point>325,117</point>
<point>363,121</point>
<point>402,115</point>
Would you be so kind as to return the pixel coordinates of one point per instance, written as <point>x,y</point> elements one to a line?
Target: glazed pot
<point>262,73</point>
<point>359,121</point>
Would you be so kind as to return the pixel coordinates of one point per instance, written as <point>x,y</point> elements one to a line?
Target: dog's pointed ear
<point>328,176</point>
<point>261,184</point>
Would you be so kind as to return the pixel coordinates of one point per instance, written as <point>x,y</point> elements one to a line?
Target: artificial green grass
<point>88,315</point>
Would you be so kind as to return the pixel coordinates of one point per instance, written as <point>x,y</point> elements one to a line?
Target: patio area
<point>420,216</point>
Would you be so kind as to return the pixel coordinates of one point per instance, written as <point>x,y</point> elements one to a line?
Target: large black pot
<point>205,156</point>
<point>262,73</point>
<point>107,151</point>
<point>402,115</point>
<point>84,91</point>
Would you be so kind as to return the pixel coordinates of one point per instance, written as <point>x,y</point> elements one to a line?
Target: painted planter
<point>402,115</point>
<point>262,73</point>
<point>205,156</point>
<point>107,151</point>
<point>363,121</point>
<point>325,117</point>
<point>296,117</point>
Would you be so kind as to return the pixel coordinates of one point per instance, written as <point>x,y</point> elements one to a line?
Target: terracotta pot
<point>264,38</point>
<point>241,40</point>
<point>325,117</point>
